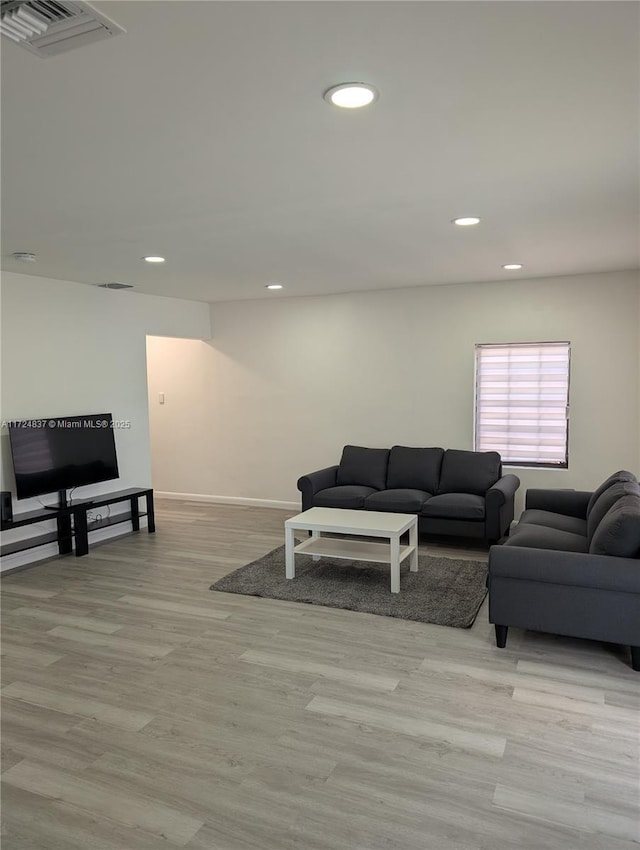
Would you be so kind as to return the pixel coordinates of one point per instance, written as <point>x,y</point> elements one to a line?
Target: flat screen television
<point>61,453</point>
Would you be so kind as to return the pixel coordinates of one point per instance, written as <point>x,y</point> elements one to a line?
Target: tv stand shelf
<point>29,543</point>
<point>73,525</point>
<point>105,522</point>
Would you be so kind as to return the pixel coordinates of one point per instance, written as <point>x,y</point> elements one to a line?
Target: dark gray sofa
<point>572,566</point>
<point>453,492</point>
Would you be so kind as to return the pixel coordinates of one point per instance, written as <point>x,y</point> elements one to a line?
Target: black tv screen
<point>62,452</point>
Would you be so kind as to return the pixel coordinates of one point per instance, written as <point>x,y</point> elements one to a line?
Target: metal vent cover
<point>49,27</point>
<point>115,285</point>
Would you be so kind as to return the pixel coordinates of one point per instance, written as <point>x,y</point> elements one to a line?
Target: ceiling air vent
<point>49,27</point>
<point>114,285</point>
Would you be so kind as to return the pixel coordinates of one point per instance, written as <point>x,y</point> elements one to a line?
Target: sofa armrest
<point>312,483</point>
<point>499,506</point>
<point>577,569</point>
<point>568,502</point>
<point>503,490</point>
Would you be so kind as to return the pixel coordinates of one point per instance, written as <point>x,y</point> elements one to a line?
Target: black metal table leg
<point>65,534</point>
<point>81,531</point>
<point>151,518</point>
<point>135,514</point>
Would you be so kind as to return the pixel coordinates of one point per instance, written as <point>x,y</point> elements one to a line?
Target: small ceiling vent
<point>49,27</point>
<point>114,285</point>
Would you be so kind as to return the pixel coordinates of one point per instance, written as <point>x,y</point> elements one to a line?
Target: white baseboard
<point>228,500</point>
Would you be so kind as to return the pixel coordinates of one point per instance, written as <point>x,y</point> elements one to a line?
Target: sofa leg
<point>501,636</point>
<point>635,658</point>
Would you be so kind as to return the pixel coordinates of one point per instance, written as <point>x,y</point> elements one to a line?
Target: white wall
<point>284,384</point>
<point>71,349</point>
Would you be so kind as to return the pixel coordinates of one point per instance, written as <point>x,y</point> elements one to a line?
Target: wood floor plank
<point>40,823</point>
<point>492,745</point>
<point>15,588</point>
<point>80,622</point>
<point>105,799</point>
<point>357,678</point>
<point>578,816</point>
<point>76,705</point>
<point>174,607</point>
<point>112,642</point>
<point>29,655</point>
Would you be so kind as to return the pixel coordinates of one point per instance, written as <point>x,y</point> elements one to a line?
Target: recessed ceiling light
<point>466,220</point>
<point>274,286</point>
<point>351,95</point>
<point>512,266</point>
<point>153,259</point>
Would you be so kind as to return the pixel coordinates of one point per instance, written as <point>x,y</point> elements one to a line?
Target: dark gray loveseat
<point>572,566</point>
<point>453,492</point>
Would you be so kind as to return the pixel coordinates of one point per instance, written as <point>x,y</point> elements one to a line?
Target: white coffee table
<point>366,523</point>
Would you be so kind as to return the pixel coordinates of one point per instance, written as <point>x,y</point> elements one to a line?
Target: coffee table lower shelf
<point>352,550</point>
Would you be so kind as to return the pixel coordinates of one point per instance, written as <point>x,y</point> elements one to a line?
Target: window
<point>522,402</point>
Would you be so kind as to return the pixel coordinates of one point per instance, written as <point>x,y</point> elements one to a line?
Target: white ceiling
<point>201,135</point>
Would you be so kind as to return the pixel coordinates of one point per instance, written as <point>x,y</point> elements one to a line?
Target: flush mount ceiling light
<point>466,221</point>
<point>24,256</point>
<point>274,286</point>
<point>154,259</point>
<point>351,95</point>
<point>512,266</point>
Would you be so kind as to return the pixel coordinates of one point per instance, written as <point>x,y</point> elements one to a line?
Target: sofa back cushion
<point>606,500</point>
<point>621,476</point>
<point>619,531</point>
<point>367,467</point>
<point>415,469</point>
<point>469,472</point>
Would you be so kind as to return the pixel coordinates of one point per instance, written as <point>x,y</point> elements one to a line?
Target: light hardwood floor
<point>142,711</point>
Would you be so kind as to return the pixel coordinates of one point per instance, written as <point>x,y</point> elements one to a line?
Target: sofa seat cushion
<point>411,468</point>
<point>618,533</point>
<point>364,467</point>
<point>349,496</point>
<point>622,475</point>
<point>455,506</point>
<point>469,472</point>
<point>539,537</point>
<point>400,500</point>
<point>561,522</point>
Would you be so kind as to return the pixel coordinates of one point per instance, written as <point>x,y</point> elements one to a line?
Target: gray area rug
<point>445,591</point>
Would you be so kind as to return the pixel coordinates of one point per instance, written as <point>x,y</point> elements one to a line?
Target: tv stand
<point>73,525</point>
<point>82,527</point>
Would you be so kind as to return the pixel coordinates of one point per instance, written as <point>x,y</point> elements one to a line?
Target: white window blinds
<point>522,402</point>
